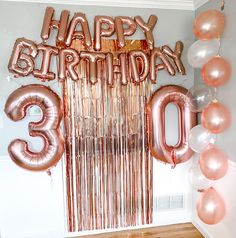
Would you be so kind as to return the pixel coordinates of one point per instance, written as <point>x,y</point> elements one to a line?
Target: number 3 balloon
<point>48,128</point>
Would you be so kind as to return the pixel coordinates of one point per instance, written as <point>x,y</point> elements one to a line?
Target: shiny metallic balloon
<point>176,55</point>
<point>181,152</point>
<point>100,31</point>
<point>144,64</point>
<point>216,117</point>
<point>211,207</point>
<point>209,24</point>
<point>92,59</point>
<point>21,63</point>
<point>213,163</point>
<point>68,61</point>
<point>48,128</point>
<point>122,31</point>
<point>147,28</point>
<point>43,72</point>
<point>61,25</point>
<point>72,33</point>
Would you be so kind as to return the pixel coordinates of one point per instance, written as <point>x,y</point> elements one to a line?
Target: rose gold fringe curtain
<point>108,167</point>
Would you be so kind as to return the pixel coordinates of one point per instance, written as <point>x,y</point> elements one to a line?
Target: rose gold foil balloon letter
<point>92,58</point>
<point>22,63</point>
<point>147,28</point>
<point>48,128</point>
<point>165,64</point>
<point>181,152</point>
<point>122,31</point>
<point>176,55</point>
<point>142,57</point>
<point>44,72</point>
<point>209,25</point>
<point>99,31</point>
<point>68,60</point>
<point>79,19</point>
<point>49,23</point>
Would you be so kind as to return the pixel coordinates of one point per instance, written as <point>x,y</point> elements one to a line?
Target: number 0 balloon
<point>181,152</point>
<point>47,128</point>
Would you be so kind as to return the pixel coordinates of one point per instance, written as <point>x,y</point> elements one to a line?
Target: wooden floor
<point>186,230</point>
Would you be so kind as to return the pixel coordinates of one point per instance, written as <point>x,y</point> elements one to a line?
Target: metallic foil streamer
<point>108,166</point>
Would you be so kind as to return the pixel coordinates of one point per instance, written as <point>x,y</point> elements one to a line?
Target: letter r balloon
<point>48,128</point>
<point>180,152</point>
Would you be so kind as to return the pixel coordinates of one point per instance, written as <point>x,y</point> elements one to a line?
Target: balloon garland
<point>215,117</point>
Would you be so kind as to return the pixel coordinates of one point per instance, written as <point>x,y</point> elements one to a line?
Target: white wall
<point>31,205</point>
<point>226,186</point>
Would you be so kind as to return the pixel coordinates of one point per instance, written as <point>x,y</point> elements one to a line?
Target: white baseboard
<point>201,229</point>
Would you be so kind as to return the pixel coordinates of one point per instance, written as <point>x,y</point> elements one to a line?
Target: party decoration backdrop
<point>108,166</point>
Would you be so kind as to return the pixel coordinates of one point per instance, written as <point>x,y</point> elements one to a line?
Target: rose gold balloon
<point>213,163</point>
<point>138,77</point>
<point>209,24</point>
<point>99,31</point>
<point>181,152</point>
<point>216,117</point>
<point>22,63</point>
<point>48,128</point>
<point>49,23</point>
<point>211,207</point>
<point>92,58</point>
<point>47,53</point>
<point>122,31</point>
<point>147,28</point>
<point>176,55</point>
<point>216,72</point>
<point>68,60</point>
<point>72,33</point>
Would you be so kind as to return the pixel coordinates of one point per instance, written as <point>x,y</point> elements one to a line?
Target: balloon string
<point>173,158</point>
<point>222,6</point>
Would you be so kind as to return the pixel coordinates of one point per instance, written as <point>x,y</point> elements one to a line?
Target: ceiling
<point>162,4</point>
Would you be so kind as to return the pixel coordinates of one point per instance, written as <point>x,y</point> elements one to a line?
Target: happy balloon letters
<point>132,65</point>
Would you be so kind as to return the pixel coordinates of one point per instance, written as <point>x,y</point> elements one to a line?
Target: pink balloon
<point>216,117</point>
<point>180,152</point>
<point>210,207</point>
<point>216,72</point>
<point>209,24</point>
<point>213,163</point>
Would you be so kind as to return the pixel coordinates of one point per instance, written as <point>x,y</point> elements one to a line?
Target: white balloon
<point>201,51</point>
<point>201,96</point>
<point>200,138</point>
<point>198,181</point>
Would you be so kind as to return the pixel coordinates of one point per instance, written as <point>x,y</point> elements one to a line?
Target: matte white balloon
<point>200,138</point>
<point>198,181</point>
<point>201,51</point>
